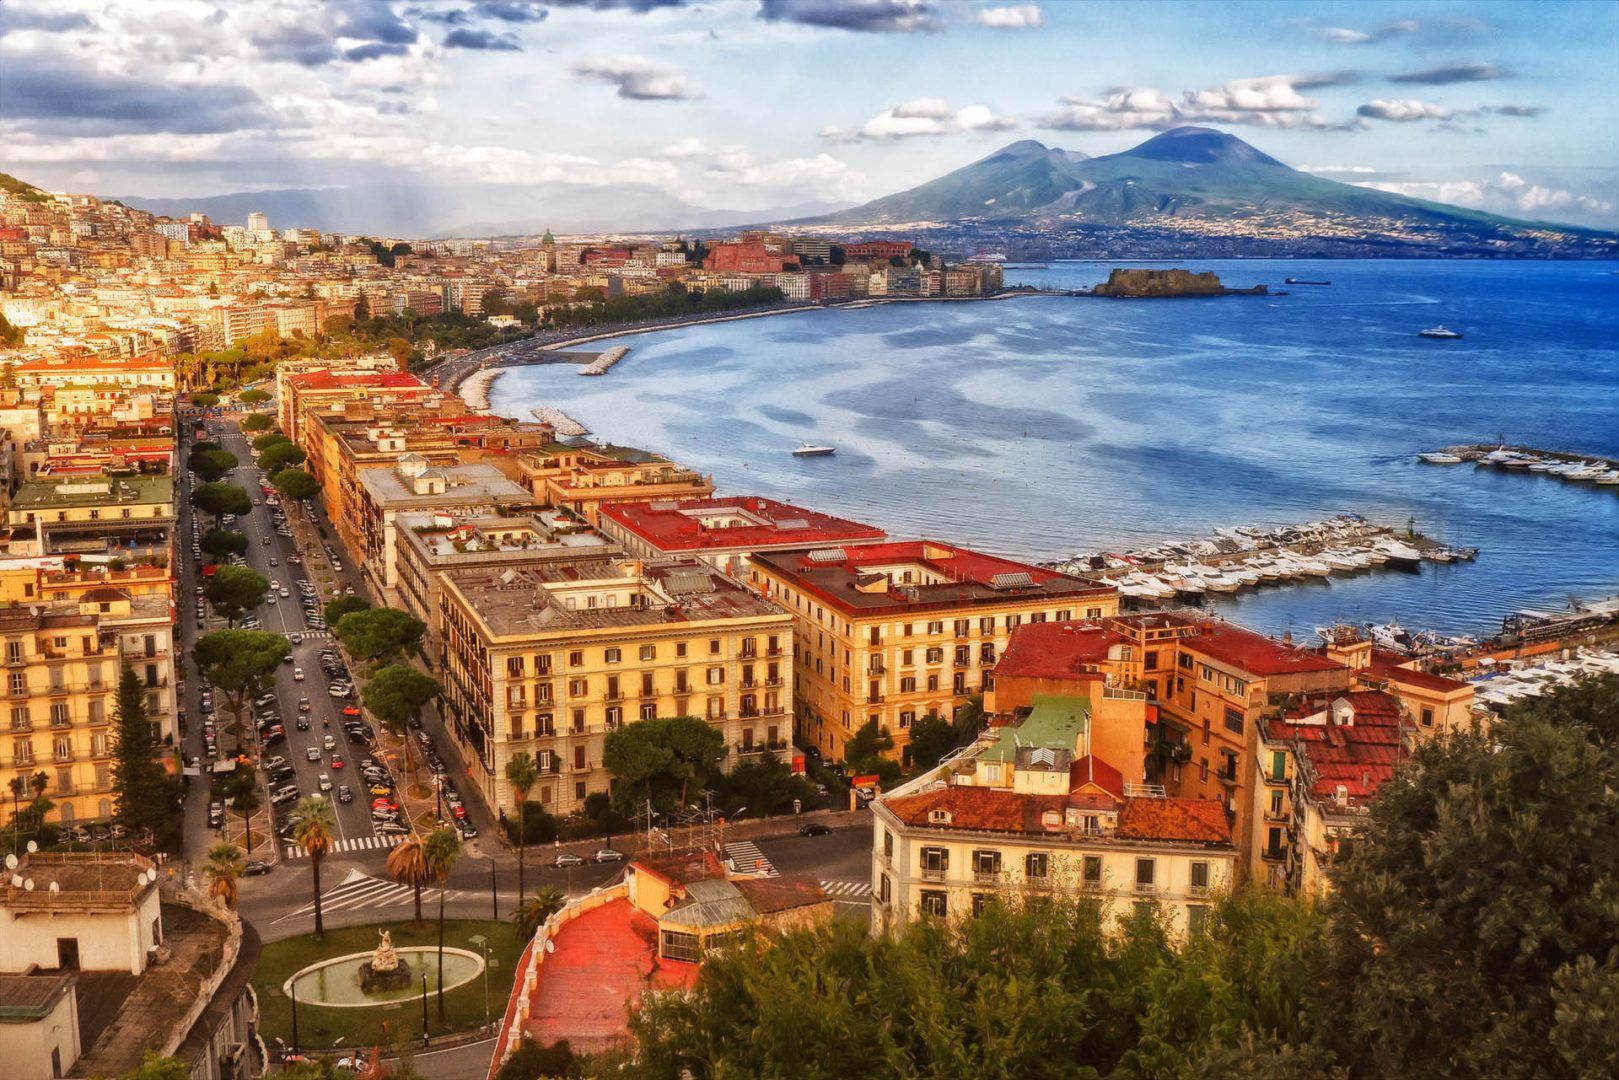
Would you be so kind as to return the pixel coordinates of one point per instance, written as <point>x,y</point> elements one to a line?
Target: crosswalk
<point>310,635</point>
<point>359,843</point>
<point>360,890</point>
<point>847,889</point>
<point>748,859</point>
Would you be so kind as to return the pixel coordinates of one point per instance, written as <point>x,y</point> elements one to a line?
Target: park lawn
<point>319,1028</point>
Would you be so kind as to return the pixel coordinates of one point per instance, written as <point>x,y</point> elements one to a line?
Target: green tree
<point>866,752</point>
<point>439,852</point>
<point>1482,885</point>
<point>281,456</point>
<point>257,422</point>
<point>240,664</point>
<point>205,400</point>
<point>223,868</point>
<point>269,439</point>
<point>636,756</point>
<point>295,484</point>
<point>395,696</point>
<point>222,542</point>
<point>253,396</point>
<point>243,792</point>
<point>530,1060</point>
<point>378,634</point>
<point>362,309</point>
<point>313,823</point>
<point>932,737</point>
<point>340,606</point>
<point>534,909</point>
<point>235,589</point>
<point>221,499</point>
<point>697,750</point>
<point>147,800</point>
<point>521,774</point>
<point>154,1066</point>
<point>211,465</point>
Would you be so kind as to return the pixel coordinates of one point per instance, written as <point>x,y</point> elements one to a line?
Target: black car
<point>814,828</point>
<point>256,867</point>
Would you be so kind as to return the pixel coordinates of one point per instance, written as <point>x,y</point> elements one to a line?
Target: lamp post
<point>424,1008</point>
<point>294,1017</point>
<point>483,946</point>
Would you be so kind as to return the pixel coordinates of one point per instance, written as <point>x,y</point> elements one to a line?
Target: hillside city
<point>304,641</point>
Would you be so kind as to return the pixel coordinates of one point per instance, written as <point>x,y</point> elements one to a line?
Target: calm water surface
<point>1044,426</point>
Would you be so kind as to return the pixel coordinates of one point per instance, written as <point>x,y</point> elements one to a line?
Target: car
<point>345,794</point>
<point>325,782</point>
<point>340,691</point>
<point>351,1063</point>
<point>282,592</point>
<point>281,775</point>
<point>312,753</point>
<point>608,854</point>
<point>269,598</point>
<point>296,639</point>
<point>391,828</point>
<point>287,659</point>
<point>249,623</point>
<point>274,737</point>
<point>303,723</point>
<point>287,829</point>
<point>337,567</point>
<point>256,867</point>
<point>303,704</point>
<point>274,731</point>
<point>381,790</point>
<point>297,674</point>
<point>458,811</point>
<point>81,834</point>
<point>294,559</point>
<point>271,763</point>
<point>274,563</point>
<point>266,541</point>
<point>328,742</point>
<point>265,699</point>
<point>337,761</point>
<point>285,795</point>
<point>467,829</point>
<point>567,858</point>
<point>814,828</point>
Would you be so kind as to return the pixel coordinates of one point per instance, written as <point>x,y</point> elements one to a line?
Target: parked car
<point>567,858</point>
<point>256,867</point>
<point>607,854</point>
<point>814,828</point>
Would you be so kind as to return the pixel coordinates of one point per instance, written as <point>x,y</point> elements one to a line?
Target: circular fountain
<point>381,977</point>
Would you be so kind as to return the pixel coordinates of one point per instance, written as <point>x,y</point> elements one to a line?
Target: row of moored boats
<point>1593,472</point>
<point>1512,683</point>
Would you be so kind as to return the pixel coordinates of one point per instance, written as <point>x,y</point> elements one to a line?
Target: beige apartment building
<point>63,662</point>
<point>551,656</point>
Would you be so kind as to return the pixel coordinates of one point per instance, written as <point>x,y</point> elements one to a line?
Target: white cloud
<point>821,175</point>
<point>1404,110</point>
<point>921,116</point>
<point>1359,170</point>
<point>1341,35</point>
<point>1273,93</point>
<point>641,170</point>
<point>1015,17</point>
<point>638,78</point>
<point>1505,193</point>
<point>983,118</point>
<point>689,147</point>
<point>1272,101</point>
<point>922,109</point>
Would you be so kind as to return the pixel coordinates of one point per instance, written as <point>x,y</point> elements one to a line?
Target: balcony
<point>1273,854</point>
<point>1147,888</point>
<point>61,755</point>
<point>1197,890</point>
<point>876,667</point>
<point>875,699</point>
<point>777,681</point>
<point>22,762</point>
<point>987,877</point>
<point>933,875</point>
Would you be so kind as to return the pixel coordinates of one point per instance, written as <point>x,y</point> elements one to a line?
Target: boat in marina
<point>1400,556</point>
<point>1441,332</point>
<point>807,449</point>
<point>1440,457</point>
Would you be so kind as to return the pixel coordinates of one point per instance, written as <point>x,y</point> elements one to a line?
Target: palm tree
<point>406,864</point>
<point>521,772</point>
<point>439,852</point>
<point>244,792</point>
<point>313,823</point>
<point>534,910</point>
<point>223,867</point>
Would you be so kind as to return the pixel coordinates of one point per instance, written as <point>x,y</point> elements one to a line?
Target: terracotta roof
<point>978,808</point>
<point>678,869</point>
<point>1254,653</point>
<point>1389,666</point>
<point>355,380</point>
<point>1093,770</point>
<point>1200,821</point>
<point>1361,756</point>
<point>1057,650</point>
<point>679,526</point>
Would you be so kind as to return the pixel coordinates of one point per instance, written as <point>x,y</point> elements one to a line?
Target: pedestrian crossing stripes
<point>748,859</point>
<point>847,888</point>
<point>308,635</point>
<point>360,890</point>
<point>359,843</point>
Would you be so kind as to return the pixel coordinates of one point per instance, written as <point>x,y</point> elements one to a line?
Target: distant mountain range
<point>503,210</point>
<point>1187,178</point>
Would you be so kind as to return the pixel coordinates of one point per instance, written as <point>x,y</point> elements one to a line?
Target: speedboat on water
<point>812,450</point>
<point>1401,556</point>
<point>1441,332</point>
<point>1440,457</point>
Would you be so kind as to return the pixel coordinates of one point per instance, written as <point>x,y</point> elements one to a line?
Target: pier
<point>604,363</point>
<point>560,422</point>
<point>1564,464</point>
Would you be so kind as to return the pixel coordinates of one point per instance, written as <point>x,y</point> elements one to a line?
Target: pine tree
<point>145,795</point>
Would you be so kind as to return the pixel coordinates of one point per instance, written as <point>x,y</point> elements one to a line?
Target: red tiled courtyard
<point>604,959</point>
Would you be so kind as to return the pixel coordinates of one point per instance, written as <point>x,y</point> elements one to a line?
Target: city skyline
<point>1510,108</point>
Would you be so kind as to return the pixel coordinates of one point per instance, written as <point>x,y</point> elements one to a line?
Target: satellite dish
<point>28,886</point>
<point>16,881</point>
<point>56,887</point>
<point>33,846</point>
<point>11,862</point>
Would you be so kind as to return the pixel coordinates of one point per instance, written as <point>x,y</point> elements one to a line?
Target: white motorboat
<point>1541,465</point>
<point>807,449</point>
<point>1312,567</point>
<point>1442,332</point>
<point>1337,560</point>
<point>1610,477</point>
<point>1440,457</point>
<point>1151,585</point>
<point>1588,471</point>
<point>1391,635</point>
<point>1400,555</point>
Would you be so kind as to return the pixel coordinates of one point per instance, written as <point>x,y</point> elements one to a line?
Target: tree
<point>530,1059</point>
<point>698,749</point>
<point>865,752</point>
<point>395,696</point>
<point>362,309</point>
<point>439,852</point>
<point>340,606</point>
<point>223,868</point>
<point>313,823</point>
<point>269,439</point>
<point>635,755</point>
<point>295,484</point>
<point>211,465</point>
<point>378,634</point>
<point>146,798</point>
<point>932,737</point>
<point>282,455</point>
<point>253,396</point>
<point>1479,891</point>
<point>221,499</point>
<point>222,542</point>
<point>154,1066</point>
<point>205,400</point>
<point>235,589</point>
<point>521,773</point>
<point>408,867</point>
<point>243,792</point>
<point>257,422</point>
<point>399,349</point>
<point>534,909</point>
<point>240,663</point>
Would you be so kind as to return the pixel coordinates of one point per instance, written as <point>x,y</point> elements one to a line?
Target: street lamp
<point>483,946</point>
<point>295,1017</point>
<point>424,1007</point>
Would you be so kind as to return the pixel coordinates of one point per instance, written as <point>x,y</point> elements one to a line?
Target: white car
<point>297,674</point>
<point>325,782</point>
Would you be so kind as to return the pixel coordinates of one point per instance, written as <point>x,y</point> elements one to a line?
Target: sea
<point>1044,426</point>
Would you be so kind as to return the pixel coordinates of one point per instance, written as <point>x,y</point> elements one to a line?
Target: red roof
<point>1361,755</point>
<point>979,809</point>
<point>1200,821</point>
<point>1254,653</point>
<point>1389,666</point>
<point>1057,650</point>
<point>680,526</point>
<point>369,380</point>
<point>1093,770</point>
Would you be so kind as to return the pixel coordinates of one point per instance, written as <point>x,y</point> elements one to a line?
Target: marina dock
<point>1563,464</point>
<point>1249,556</point>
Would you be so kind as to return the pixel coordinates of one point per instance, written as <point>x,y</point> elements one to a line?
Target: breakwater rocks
<point>560,422</point>
<point>1141,284</point>
<point>604,363</point>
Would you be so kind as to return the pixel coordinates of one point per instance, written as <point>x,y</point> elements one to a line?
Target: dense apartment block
<point>586,477</point>
<point>131,513</point>
<point>724,532</point>
<point>550,656</point>
<point>888,633</point>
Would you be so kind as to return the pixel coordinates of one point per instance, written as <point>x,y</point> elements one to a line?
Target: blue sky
<point>748,104</point>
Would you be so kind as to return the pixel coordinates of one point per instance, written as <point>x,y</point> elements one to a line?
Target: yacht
<point>1442,332</point>
<point>1400,556</point>
<point>1440,457</point>
<point>807,449</point>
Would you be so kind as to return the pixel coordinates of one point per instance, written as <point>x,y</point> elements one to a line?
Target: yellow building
<point>1031,811</point>
<point>550,656</point>
<point>888,633</point>
<point>132,514</point>
<point>584,478</point>
<point>63,662</point>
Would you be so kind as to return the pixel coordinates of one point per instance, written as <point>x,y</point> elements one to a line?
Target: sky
<point>1507,106</point>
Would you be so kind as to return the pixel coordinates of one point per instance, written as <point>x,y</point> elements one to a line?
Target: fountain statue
<point>384,971</point>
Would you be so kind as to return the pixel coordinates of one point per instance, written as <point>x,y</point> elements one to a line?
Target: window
<point>1036,866</point>
<point>578,687</point>
<point>514,667</point>
<point>888,845</point>
<point>982,900</point>
<point>1233,720</point>
<point>935,655</point>
<point>1197,917</point>
<point>680,946</point>
<point>20,720</point>
<point>1092,870</point>
<point>1146,873</point>
<point>1149,662</point>
<point>907,657</point>
<point>1200,879</point>
<point>907,717</point>
<point>885,890</point>
<point>576,658</point>
<point>612,656</point>
<point>579,757</point>
<point>1278,766</point>
<point>579,791</point>
<point>934,903</point>
<point>1205,730</point>
<point>680,648</point>
<point>986,865</point>
<point>935,861</point>
<point>716,676</point>
<point>713,646</point>
<point>907,685</point>
<point>649,652</point>
<point>1427,716</point>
